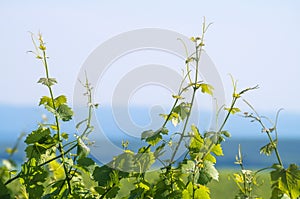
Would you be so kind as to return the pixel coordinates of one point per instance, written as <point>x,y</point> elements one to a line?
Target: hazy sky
<point>256,41</point>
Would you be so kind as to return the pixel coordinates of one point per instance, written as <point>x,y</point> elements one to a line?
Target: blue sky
<point>256,41</point>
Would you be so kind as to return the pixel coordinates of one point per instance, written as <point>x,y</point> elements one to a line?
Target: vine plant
<point>59,167</point>
<point>285,181</point>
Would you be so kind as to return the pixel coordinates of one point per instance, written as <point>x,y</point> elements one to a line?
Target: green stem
<point>164,124</point>
<point>184,128</point>
<point>271,141</point>
<point>258,118</point>
<point>221,127</point>
<point>60,146</point>
<point>195,87</point>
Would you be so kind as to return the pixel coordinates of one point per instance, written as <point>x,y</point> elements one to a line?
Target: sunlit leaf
<point>202,192</point>
<point>206,88</point>
<point>177,97</point>
<point>217,150</point>
<point>232,110</point>
<point>60,100</point>
<point>46,100</point>
<point>57,169</point>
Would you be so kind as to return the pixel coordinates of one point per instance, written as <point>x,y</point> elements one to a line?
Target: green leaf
<point>188,191</point>
<point>233,110</point>
<point>209,157</point>
<point>202,192</point>
<point>33,178</point>
<point>268,148</point>
<point>206,88</point>
<point>124,161</point>
<point>154,137</point>
<point>82,149</point>
<point>177,97</point>
<point>46,100</point>
<point>102,175</point>
<point>4,192</point>
<point>196,142</point>
<point>143,161</point>
<point>186,194</point>
<point>174,118</point>
<point>65,113</point>
<point>207,173</point>
<point>65,136</point>
<point>176,194</point>
<point>188,166</point>
<point>217,150</point>
<point>60,100</point>
<point>210,169</point>
<point>47,81</point>
<point>153,140</point>
<point>51,110</point>
<point>112,192</point>
<point>226,134</point>
<point>85,162</point>
<point>286,180</point>
<point>39,142</point>
<point>40,135</point>
<point>159,151</point>
<point>182,110</point>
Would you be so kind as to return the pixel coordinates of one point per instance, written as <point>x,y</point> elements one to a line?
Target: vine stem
<point>258,118</point>
<point>211,146</point>
<point>195,88</point>
<point>60,146</point>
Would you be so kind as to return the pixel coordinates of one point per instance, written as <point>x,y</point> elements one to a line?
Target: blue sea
<point>127,124</point>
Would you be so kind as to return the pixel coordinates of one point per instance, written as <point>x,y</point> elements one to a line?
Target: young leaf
<point>65,113</point>
<point>217,150</point>
<point>206,88</point>
<point>196,142</point>
<point>46,100</point>
<point>47,81</point>
<point>182,110</point>
<point>57,169</point>
<point>65,136</point>
<point>202,192</point>
<point>232,110</point>
<point>226,134</point>
<point>177,97</point>
<point>268,148</point>
<point>60,100</point>
<point>154,137</point>
<point>153,140</point>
